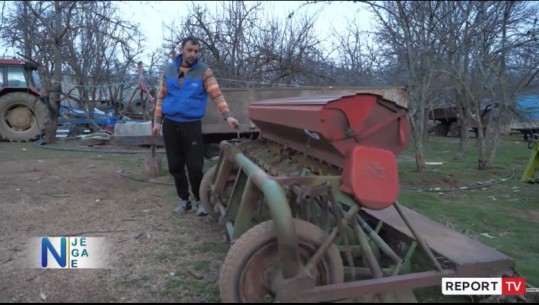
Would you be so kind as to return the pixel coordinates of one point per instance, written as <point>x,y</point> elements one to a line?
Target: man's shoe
<point>200,209</point>
<point>183,207</point>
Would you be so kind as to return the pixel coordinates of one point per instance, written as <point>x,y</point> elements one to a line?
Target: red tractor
<point>23,113</point>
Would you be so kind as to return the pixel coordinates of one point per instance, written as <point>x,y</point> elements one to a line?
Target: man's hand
<point>232,122</point>
<point>156,129</point>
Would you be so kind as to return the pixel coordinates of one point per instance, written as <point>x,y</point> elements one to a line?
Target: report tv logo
<point>485,286</point>
<point>76,252</point>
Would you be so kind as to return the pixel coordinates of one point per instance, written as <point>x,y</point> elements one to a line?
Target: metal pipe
<point>339,214</point>
<point>367,252</point>
<point>418,238</point>
<point>366,272</point>
<point>329,240</point>
<point>280,212</point>
<point>378,240</point>
<point>354,289</point>
<point>406,260</point>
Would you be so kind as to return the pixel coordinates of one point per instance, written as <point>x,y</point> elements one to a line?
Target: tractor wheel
<point>244,275</point>
<point>23,117</point>
<point>205,191</point>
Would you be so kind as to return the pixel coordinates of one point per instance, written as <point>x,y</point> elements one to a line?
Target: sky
<point>151,15</point>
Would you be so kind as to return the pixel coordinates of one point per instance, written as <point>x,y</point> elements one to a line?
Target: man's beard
<point>185,63</point>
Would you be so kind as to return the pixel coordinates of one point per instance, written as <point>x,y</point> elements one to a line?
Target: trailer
<point>215,129</point>
<point>528,120</point>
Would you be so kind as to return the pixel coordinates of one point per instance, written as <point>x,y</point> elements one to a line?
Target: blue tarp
<point>529,107</point>
<point>77,116</point>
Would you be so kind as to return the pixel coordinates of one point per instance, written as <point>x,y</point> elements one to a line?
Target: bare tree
<point>225,36</point>
<point>508,64</point>
<point>88,39</point>
<point>2,12</point>
<point>456,27</point>
<point>55,19</point>
<point>475,52</point>
<point>297,47</point>
<point>408,31</point>
<point>38,30</point>
<point>358,57</point>
<point>102,42</point>
<point>491,55</point>
<point>245,49</point>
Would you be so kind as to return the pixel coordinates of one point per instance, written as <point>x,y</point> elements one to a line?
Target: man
<point>181,104</point>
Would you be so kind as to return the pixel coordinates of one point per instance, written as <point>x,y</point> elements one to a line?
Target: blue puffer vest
<point>188,102</point>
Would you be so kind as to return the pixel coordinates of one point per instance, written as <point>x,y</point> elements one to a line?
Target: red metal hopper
<point>361,133</point>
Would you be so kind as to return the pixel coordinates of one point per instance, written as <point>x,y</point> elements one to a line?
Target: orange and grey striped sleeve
<point>212,87</point>
<point>158,115</point>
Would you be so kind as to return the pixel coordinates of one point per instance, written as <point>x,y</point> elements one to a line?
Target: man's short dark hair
<point>192,39</point>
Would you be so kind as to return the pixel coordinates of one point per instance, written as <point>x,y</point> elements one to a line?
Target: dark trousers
<point>184,147</point>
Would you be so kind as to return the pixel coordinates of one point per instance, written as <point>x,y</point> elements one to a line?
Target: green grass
<point>201,265</point>
<point>506,212</point>
<point>68,151</point>
<point>179,289</point>
<point>214,247</point>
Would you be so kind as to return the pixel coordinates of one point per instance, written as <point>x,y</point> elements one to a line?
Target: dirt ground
<point>156,256</point>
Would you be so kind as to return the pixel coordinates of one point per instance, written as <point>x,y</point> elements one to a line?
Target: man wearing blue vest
<point>181,104</point>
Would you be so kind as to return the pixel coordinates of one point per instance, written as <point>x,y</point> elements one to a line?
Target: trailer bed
<point>469,257</point>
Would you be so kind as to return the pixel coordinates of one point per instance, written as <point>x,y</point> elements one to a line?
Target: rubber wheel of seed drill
<point>205,191</point>
<point>23,117</point>
<point>255,253</point>
<point>212,150</point>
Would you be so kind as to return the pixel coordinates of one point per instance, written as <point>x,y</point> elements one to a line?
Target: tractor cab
<point>18,74</point>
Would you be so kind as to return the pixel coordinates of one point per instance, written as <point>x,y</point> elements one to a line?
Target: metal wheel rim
<point>14,115</point>
<point>254,284</point>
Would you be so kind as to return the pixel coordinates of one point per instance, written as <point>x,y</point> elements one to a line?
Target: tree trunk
<point>494,130</point>
<point>56,88</point>
<point>417,133</point>
<point>483,164</point>
<point>464,137</point>
<point>483,161</point>
<point>419,156</point>
<point>493,125</point>
<point>26,32</point>
<point>426,126</point>
<point>464,124</point>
